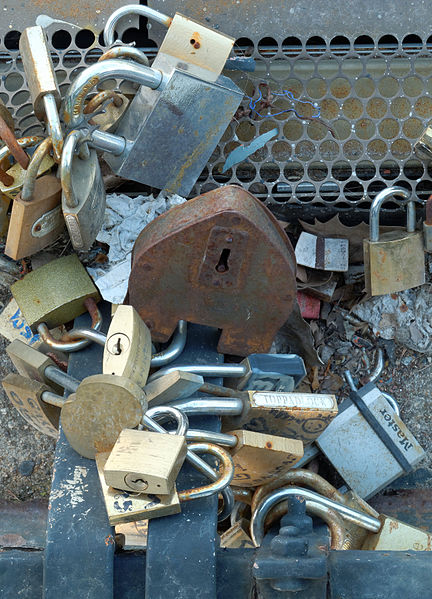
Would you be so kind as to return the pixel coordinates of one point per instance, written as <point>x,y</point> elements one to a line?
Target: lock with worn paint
<point>55,293</point>
<point>368,444</point>
<point>114,105</point>
<point>323,253</point>
<point>36,219</point>
<point>219,277</point>
<point>145,462</point>
<point>395,535</point>
<point>395,260</point>
<point>124,506</point>
<point>184,103</point>
<point>83,199</point>
<point>42,83</point>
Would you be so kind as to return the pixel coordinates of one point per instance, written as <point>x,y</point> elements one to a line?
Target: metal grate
<point>374,98</point>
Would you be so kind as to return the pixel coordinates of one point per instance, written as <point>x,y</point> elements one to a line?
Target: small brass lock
<point>395,260</point>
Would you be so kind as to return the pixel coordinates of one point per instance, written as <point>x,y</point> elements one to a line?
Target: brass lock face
<point>145,462</point>
<point>31,363</point>
<point>54,293</point>
<point>398,536</point>
<point>26,396</point>
<point>18,174</point>
<point>94,416</point>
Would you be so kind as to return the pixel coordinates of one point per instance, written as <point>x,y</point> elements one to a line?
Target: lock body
<point>145,462</point>
<point>357,452</point>
<point>31,363</point>
<point>219,278</point>
<point>260,458</point>
<point>54,293</point>
<point>187,116</point>
<point>398,536</point>
<point>171,386</point>
<point>237,536</point>
<point>394,263</point>
<point>18,173</point>
<point>322,253</point>
<point>301,416</point>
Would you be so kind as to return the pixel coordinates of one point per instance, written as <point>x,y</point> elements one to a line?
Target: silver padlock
<point>185,108</point>
<point>83,197</point>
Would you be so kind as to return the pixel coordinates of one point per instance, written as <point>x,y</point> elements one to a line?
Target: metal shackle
<point>8,137</point>
<point>23,142</point>
<point>212,437</point>
<point>210,370</point>
<point>163,413</point>
<point>72,140</point>
<point>100,71</point>
<point>132,9</point>
<point>100,98</point>
<point>375,208</point>
<point>64,343</point>
<point>260,513</point>
<point>222,481</point>
<point>33,168</point>
<point>204,405</point>
<point>125,52</point>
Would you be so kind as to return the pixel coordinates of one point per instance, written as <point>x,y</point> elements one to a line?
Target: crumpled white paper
<point>405,317</point>
<point>125,218</point>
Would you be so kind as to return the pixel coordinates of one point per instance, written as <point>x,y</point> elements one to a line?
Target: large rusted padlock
<point>220,260</point>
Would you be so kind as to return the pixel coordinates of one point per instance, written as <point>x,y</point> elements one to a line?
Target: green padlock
<point>55,293</point>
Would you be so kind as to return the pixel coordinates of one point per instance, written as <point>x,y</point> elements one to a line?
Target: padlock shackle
<point>162,413</point>
<point>73,104</point>
<point>223,480</point>
<point>24,142</point>
<point>53,125</point>
<point>132,9</point>
<point>8,137</point>
<point>210,370</point>
<point>100,98</point>
<point>259,515</point>
<point>125,52</point>
<point>33,168</point>
<point>174,349</point>
<point>378,201</point>
<point>215,407</point>
<point>72,140</point>
<point>212,437</point>
<point>63,379</point>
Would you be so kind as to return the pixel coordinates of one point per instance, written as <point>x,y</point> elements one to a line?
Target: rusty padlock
<point>215,260</point>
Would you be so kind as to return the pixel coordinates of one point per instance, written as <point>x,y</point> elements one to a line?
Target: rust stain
<point>269,445</point>
<point>109,540</point>
<point>393,525</point>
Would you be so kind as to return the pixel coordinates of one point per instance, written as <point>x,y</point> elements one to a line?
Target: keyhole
<point>222,265</point>
<point>117,347</point>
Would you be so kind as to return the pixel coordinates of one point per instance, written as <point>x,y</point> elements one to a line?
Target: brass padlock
<point>395,535</point>
<point>145,462</point>
<point>394,261</point>
<point>123,506</point>
<point>115,106</point>
<point>171,386</point>
<point>36,220</point>
<point>55,293</point>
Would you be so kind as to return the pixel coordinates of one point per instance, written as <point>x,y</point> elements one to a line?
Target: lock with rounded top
<point>395,260</point>
<point>36,220</point>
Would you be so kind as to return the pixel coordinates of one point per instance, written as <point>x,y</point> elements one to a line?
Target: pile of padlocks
<point>219,260</point>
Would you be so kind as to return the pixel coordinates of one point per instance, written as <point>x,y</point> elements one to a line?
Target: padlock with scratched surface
<point>301,416</point>
<point>42,83</point>
<point>36,220</point>
<point>54,293</point>
<point>145,462</point>
<point>123,506</point>
<point>219,278</point>
<point>184,102</point>
<point>258,457</point>
<point>368,443</point>
<point>83,198</point>
<point>393,261</point>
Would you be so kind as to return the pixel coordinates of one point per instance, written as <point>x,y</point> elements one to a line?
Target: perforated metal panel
<point>373,95</point>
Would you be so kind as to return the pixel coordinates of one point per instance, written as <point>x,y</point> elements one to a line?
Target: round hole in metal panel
<point>293,171</point>
<point>388,87</point>
<point>317,171</point>
<point>245,172</point>
<point>13,81</point>
<point>267,47</point>
<point>365,128</point>
<point>364,45</point>
<point>353,149</point>
<point>329,109</point>
<point>279,69</point>
<point>353,191</point>
<point>305,192</point>
<point>413,86</point>
<point>20,98</point>
<point>376,68</point>
<point>61,39</point>
<point>352,108</point>
<point>400,66</point>
<point>7,63</point>
<point>230,146</point>
<point>243,47</point>
<point>281,192</point>
<point>291,46</point>
<point>75,72</point>
<point>424,189</point>
<point>412,44</point>
<point>413,169</point>
<point>340,45</point>
<point>245,130</point>
<point>340,88</point>
<point>281,151</point>
<point>36,129</point>
<point>293,129</point>
<point>316,130</point>
<point>259,190</point>
<point>329,191</point>
<point>328,68</point>
<point>400,107</point>
<point>316,88</point>
<point>329,150</point>
<point>389,169</point>
<point>139,36</point>
<point>85,38</point>
<point>388,128</point>
<point>269,171</point>
<point>208,187</point>
<point>11,40</point>
<point>423,107</point>
<point>374,188</point>
<point>401,149</point>
<point>388,44</point>
<point>365,170</point>
<point>342,129</point>
<point>376,149</point>
<point>341,170</point>
<point>93,55</point>
<point>305,150</point>
<point>71,59</point>
<point>364,87</point>
<point>423,66</point>
<point>413,128</point>
<point>316,46</point>
<point>24,110</point>
<point>352,67</point>
<point>403,184</point>
<point>376,108</point>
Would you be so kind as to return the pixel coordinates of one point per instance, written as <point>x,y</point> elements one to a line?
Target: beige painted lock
<point>394,261</point>
<point>145,462</point>
<point>398,536</point>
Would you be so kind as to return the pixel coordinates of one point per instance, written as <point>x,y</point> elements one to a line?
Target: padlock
<point>172,386</point>
<point>301,416</point>
<point>237,536</point>
<point>145,462</point>
<point>395,535</point>
<point>83,199</point>
<point>54,293</point>
<point>35,365</point>
<point>102,406</point>
<point>368,444</point>
<point>36,220</point>
<point>17,172</point>
<point>123,506</point>
<point>258,458</point>
<point>427,226</point>
<point>323,253</point>
<point>227,236</point>
<point>189,64</point>
<point>395,260</point>
<point>42,83</point>
<point>26,396</point>
<point>115,105</point>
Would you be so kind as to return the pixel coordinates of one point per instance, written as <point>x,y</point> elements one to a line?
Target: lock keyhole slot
<point>222,266</point>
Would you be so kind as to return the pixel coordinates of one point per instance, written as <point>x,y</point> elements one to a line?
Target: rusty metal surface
<point>413,506</point>
<point>8,137</point>
<point>23,525</point>
<point>181,270</point>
